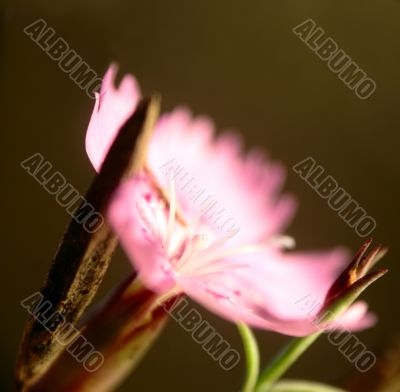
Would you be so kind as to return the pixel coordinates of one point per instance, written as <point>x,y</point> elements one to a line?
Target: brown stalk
<point>123,329</point>
<point>82,258</point>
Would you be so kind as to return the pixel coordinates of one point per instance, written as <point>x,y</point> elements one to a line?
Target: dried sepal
<point>82,258</point>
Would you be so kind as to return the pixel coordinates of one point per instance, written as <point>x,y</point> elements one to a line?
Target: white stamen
<point>192,253</point>
<point>224,253</point>
<point>194,246</point>
<point>171,215</point>
<point>193,224</point>
<point>215,268</point>
<point>282,241</point>
<point>209,260</point>
<point>147,215</point>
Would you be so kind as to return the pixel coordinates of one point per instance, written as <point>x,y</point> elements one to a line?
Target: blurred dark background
<point>240,63</point>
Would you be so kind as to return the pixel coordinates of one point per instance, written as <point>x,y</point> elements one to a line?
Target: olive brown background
<point>240,63</point>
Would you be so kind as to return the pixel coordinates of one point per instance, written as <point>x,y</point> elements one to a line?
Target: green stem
<point>252,357</point>
<point>283,361</point>
<point>301,386</point>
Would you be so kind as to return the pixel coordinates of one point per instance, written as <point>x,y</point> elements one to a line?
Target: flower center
<point>193,252</point>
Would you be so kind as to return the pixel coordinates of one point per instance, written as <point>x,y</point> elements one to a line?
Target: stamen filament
<point>171,215</point>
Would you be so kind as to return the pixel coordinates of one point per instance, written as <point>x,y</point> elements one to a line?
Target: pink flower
<point>206,219</point>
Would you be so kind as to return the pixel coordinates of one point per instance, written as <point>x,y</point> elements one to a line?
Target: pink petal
<point>210,169</point>
<point>138,233</point>
<point>277,292</point>
<point>112,108</point>
<point>237,179</point>
<point>357,317</point>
